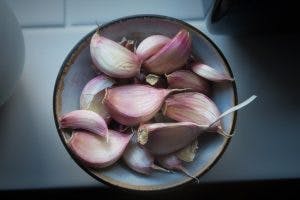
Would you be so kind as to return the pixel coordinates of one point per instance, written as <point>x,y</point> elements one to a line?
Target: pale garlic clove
<point>139,159</point>
<point>188,79</point>
<point>134,104</point>
<point>93,93</point>
<point>210,73</point>
<point>171,56</point>
<point>150,45</point>
<point>188,153</point>
<point>165,138</point>
<point>94,151</point>
<point>112,58</point>
<point>172,162</point>
<point>84,119</point>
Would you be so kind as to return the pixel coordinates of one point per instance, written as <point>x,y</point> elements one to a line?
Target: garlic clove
<point>198,108</point>
<point>112,58</point>
<point>171,56</point>
<point>139,159</point>
<point>93,93</point>
<point>210,73</point>
<point>150,45</point>
<point>84,119</point>
<point>188,79</point>
<point>191,107</point>
<point>134,104</point>
<point>165,138</point>
<point>171,162</point>
<point>188,153</point>
<point>94,151</point>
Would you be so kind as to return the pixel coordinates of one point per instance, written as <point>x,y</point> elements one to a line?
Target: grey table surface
<point>267,141</point>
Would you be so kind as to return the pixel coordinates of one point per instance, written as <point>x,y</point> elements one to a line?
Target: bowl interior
<point>77,71</point>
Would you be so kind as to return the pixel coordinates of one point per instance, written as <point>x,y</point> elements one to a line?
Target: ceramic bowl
<point>76,71</point>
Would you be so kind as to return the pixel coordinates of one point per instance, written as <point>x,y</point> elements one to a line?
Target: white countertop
<point>266,144</point>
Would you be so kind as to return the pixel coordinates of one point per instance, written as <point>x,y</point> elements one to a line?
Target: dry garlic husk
<point>188,79</point>
<point>93,93</point>
<point>112,58</point>
<point>150,45</point>
<point>171,56</point>
<point>152,79</point>
<point>210,73</point>
<point>96,152</point>
<point>84,119</point>
<point>134,104</point>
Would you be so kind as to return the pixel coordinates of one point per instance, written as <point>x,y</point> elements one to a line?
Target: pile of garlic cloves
<point>147,104</point>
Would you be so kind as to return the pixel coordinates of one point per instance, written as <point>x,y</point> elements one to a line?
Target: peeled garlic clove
<point>188,79</point>
<point>150,45</point>
<point>171,162</point>
<point>210,73</point>
<point>84,119</point>
<point>93,93</point>
<point>172,56</point>
<point>133,104</point>
<point>112,58</point>
<point>188,153</point>
<point>94,151</point>
<point>165,138</point>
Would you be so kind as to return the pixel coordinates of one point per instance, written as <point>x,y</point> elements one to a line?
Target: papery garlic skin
<point>84,119</point>
<point>210,73</point>
<point>152,79</point>
<point>172,56</point>
<point>93,93</point>
<point>134,104</point>
<point>187,79</point>
<point>112,58</point>
<point>150,45</point>
<point>94,151</point>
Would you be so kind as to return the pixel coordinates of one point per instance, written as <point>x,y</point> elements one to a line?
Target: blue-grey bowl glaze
<point>76,71</point>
